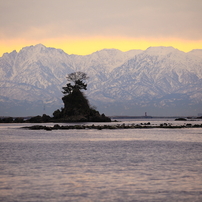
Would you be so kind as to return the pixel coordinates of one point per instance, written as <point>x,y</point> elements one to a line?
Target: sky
<point>85,26</point>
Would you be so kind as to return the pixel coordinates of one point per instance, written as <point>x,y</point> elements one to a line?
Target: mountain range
<point>161,81</point>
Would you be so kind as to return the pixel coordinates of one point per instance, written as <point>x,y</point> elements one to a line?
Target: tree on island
<point>76,105</point>
<point>78,79</point>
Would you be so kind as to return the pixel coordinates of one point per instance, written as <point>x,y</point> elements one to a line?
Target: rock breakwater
<point>112,127</point>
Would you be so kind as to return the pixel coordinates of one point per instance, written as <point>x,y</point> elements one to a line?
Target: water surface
<point>108,165</point>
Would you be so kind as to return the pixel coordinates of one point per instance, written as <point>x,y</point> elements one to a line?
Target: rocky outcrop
<point>111,127</point>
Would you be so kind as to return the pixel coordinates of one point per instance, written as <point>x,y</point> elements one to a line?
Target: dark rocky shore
<point>117,126</point>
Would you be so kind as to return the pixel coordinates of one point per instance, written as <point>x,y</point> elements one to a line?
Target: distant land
<point>161,81</point>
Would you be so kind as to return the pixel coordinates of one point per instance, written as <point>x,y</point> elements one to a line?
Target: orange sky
<point>90,45</point>
<point>83,27</point>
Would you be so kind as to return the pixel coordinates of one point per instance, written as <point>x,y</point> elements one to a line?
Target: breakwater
<point>112,127</point>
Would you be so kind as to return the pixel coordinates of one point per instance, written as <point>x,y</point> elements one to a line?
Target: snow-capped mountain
<point>159,80</point>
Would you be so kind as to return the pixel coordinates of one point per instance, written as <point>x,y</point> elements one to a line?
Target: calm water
<point>109,165</point>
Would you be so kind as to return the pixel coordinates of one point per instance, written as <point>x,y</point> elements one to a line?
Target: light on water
<point>108,165</point>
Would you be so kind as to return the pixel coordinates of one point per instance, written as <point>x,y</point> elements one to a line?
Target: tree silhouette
<point>78,79</point>
<point>76,105</point>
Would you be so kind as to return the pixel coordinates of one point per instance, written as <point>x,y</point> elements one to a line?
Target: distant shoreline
<point>4,119</point>
<point>153,117</point>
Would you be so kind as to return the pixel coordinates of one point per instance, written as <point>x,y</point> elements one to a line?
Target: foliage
<point>6,120</point>
<point>75,103</point>
<point>19,120</point>
<point>40,119</point>
<point>12,120</point>
<point>57,114</point>
<point>78,80</point>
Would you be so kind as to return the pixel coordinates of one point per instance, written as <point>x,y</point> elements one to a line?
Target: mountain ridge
<point>158,80</point>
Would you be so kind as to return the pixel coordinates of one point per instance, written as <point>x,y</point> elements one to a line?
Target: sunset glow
<point>84,46</point>
<point>83,27</point>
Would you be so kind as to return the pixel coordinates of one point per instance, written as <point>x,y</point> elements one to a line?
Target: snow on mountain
<point>160,76</point>
<point>160,80</point>
<point>196,52</point>
<point>160,72</point>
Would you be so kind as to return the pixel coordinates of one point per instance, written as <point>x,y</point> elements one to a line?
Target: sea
<point>139,165</point>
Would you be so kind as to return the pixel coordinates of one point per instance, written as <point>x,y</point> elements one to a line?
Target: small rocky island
<point>76,105</point>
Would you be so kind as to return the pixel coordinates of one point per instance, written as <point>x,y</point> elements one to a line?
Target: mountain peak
<point>37,47</point>
<point>33,48</point>
<point>13,53</point>
<point>40,46</point>
<point>107,51</point>
<point>160,50</point>
<point>196,52</point>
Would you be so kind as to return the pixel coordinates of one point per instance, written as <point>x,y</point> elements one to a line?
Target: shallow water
<point>108,165</point>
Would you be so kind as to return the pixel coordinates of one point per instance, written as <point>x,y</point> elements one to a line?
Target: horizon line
<point>119,49</point>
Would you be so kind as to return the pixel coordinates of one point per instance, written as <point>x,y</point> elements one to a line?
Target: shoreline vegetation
<point>112,127</point>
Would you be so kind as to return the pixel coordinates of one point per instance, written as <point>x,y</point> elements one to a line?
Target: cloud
<point>44,19</point>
